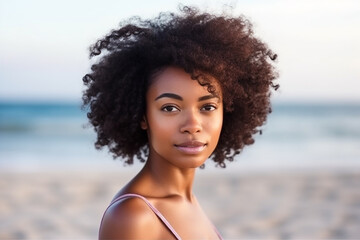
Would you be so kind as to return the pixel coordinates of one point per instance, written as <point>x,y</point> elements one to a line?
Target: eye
<point>169,108</point>
<point>208,108</point>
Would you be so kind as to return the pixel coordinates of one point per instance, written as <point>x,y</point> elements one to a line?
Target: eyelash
<point>209,105</point>
<point>169,106</point>
<point>203,108</point>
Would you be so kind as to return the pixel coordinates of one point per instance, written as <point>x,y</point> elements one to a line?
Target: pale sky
<point>44,44</point>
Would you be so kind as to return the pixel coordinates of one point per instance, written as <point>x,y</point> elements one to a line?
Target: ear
<point>143,123</point>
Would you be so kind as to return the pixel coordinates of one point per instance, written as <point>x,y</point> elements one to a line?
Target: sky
<point>44,44</point>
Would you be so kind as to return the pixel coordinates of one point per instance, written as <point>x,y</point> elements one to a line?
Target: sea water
<point>52,136</point>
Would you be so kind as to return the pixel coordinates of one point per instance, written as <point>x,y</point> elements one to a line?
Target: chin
<point>191,162</point>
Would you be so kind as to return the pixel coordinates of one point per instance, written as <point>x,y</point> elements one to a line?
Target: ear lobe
<point>143,124</point>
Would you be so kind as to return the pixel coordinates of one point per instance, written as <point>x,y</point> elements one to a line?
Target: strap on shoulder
<point>158,214</point>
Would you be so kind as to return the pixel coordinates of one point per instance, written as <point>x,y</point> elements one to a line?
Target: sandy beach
<point>273,205</point>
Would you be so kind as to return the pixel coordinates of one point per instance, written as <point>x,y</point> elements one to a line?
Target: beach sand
<point>272,205</point>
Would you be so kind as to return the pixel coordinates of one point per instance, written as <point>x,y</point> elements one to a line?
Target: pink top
<point>158,214</point>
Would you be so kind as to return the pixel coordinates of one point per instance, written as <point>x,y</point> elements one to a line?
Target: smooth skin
<point>183,122</point>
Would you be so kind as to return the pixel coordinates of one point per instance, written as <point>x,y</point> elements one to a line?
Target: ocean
<point>52,136</point>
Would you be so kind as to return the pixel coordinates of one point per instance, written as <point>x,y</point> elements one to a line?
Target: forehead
<point>176,80</point>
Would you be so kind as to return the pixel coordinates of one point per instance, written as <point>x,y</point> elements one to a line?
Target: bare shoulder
<point>129,219</point>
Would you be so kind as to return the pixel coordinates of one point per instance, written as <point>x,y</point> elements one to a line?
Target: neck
<point>169,179</point>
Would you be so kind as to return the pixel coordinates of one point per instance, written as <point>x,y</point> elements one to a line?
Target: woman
<point>174,91</point>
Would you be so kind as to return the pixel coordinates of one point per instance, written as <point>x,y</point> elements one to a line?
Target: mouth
<point>191,147</point>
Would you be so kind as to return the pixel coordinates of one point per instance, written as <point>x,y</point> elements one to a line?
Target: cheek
<point>214,127</point>
<point>160,127</point>
<point>218,121</point>
<point>217,129</point>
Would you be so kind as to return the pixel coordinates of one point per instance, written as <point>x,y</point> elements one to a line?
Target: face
<point>183,120</point>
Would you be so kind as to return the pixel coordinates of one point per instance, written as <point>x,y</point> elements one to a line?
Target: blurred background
<point>314,127</point>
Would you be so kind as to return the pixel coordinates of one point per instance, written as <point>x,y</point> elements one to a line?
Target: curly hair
<point>202,44</point>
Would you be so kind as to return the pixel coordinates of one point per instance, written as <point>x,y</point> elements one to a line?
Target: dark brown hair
<point>201,43</point>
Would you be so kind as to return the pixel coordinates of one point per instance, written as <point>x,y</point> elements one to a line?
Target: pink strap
<point>162,218</point>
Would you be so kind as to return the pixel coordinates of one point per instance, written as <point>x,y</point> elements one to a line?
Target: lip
<point>191,147</point>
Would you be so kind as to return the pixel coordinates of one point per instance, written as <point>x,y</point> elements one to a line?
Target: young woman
<point>172,92</point>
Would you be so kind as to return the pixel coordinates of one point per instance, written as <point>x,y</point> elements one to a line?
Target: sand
<point>272,205</point>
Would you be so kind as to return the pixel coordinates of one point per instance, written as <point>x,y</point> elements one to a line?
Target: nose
<point>191,123</point>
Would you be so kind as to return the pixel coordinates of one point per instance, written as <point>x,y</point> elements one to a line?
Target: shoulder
<point>129,219</point>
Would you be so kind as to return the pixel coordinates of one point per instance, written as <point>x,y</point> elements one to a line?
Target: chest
<point>188,220</point>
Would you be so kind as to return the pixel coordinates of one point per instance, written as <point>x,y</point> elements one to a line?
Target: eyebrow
<point>169,95</point>
<point>203,98</point>
<point>177,97</point>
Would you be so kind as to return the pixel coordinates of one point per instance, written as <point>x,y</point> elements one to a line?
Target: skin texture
<point>172,122</point>
<point>172,125</point>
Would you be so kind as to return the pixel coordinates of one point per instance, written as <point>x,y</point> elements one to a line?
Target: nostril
<point>190,129</point>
